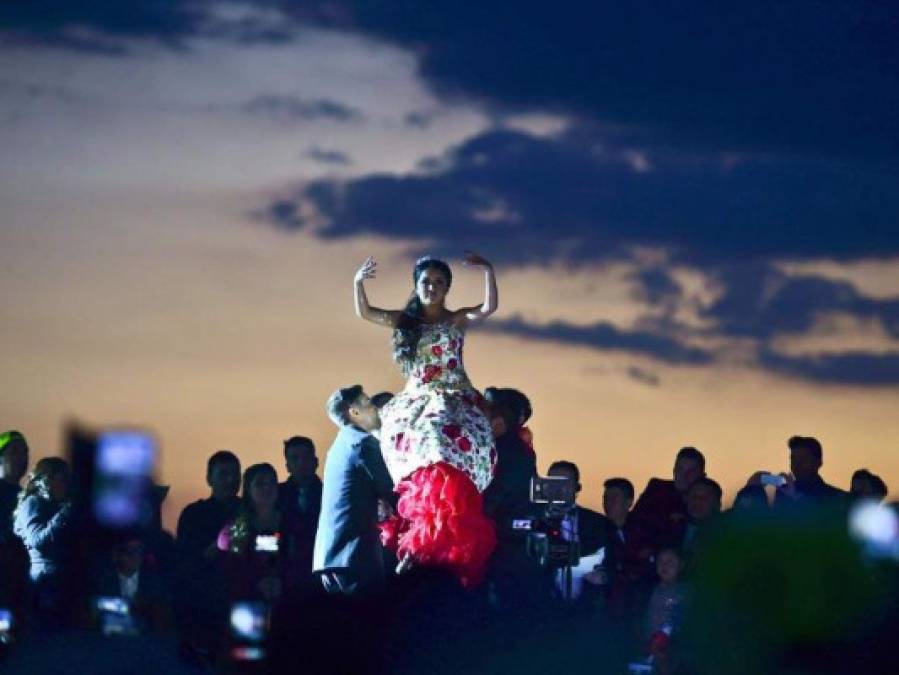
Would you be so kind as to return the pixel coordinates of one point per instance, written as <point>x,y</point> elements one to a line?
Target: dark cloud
<point>857,368</point>
<point>805,77</point>
<point>281,108</point>
<point>656,286</point>
<point>605,336</point>
<point>326,156</point>
<point>578,197</point>
<point>95,25</point>
<point>758,301</point>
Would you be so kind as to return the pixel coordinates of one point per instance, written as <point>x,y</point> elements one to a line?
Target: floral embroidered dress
<point>437,417</point>
<point>439,449</point>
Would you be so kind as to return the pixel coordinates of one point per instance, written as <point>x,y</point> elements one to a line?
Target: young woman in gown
<point>436,441</point>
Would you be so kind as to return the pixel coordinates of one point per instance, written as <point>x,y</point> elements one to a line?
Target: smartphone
<point>124,463</point>
<point>114,616</point>
<point>5,625</point>
<point>249,629</point>
<point>773,479</point>
<point>267,543</point>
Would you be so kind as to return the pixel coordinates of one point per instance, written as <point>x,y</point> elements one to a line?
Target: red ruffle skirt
<point>441,523</point>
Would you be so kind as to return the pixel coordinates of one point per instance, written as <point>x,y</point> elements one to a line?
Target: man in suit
<point>348,554</point>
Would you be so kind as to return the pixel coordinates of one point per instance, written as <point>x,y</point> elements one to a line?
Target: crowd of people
<point>253,540</point>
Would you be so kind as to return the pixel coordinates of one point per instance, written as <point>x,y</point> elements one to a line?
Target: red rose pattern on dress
<point>438,416</point>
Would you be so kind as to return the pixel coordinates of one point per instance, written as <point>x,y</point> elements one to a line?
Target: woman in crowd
<point>258,541</point>
<point>437,442</point>
<point>42,520</point>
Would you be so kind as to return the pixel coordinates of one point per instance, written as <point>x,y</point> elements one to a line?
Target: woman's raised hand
<point>472,259</point>
<point>367,271</point>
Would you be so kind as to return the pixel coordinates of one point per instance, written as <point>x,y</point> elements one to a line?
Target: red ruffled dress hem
<point>440,522</point>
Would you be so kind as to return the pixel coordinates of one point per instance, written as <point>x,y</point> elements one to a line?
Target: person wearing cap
<point>348,555</point>
<point>13,466</point>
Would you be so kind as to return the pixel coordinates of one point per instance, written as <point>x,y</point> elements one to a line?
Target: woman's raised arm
<point>382,317</point>
<point>491,295</point>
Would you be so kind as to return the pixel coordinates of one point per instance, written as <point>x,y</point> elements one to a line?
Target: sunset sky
<point>693,213</point>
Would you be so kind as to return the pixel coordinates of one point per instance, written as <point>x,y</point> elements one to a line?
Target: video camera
<point>554,496</point>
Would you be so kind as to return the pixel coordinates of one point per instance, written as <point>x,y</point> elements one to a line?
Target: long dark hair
<point>408,330</point>
<point>242,527</point>
<point>38,481</point>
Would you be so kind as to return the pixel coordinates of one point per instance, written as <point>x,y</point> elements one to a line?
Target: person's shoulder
<point>658,486</point>
<point>197,509</point>
<point>591,515</point>
<point>31,504</point>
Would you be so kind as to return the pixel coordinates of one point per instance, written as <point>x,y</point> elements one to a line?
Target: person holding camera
<point>583,526</point>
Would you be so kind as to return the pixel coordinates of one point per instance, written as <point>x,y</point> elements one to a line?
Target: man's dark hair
<point>221,457</point>
<point>622,484</point>
<point>381,399</point>
<point>809,443</point>
<point>566,465</point>
<point>299,442</point>
<point>340,402</point>
<point>709,483</point>
<point>691,453</point>
<point>7,437</point>
<point>878,487</point>
<point>510,404</point>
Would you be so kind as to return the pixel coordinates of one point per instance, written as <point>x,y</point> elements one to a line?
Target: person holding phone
<point>43,521</point>
<point>258,540</point>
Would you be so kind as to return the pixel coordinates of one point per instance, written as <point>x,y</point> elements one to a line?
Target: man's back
<point>355,476</point>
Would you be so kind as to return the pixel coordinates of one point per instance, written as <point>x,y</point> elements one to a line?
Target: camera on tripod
<point>546,542</point>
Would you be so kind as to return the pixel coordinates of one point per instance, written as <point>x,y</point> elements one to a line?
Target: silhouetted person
<point>703,505</point>
<point>201,597</point>
<point>300,500</point>
<point>508,496</point>
<point>867,485</point>
<point>14,559</point>
<point>625,575</point>
<point>13,466</point>
<point>804,485</point>
<point>585,526</point>
<point>660,514</point>
<point>514,578</point>
<point>201,521</point>
<point>125,575</point>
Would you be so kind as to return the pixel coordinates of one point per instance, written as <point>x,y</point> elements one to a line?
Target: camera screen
<point>559,490</point>
<point>123,478</point>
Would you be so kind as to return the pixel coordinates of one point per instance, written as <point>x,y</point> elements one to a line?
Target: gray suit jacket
<point>347,540</point>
